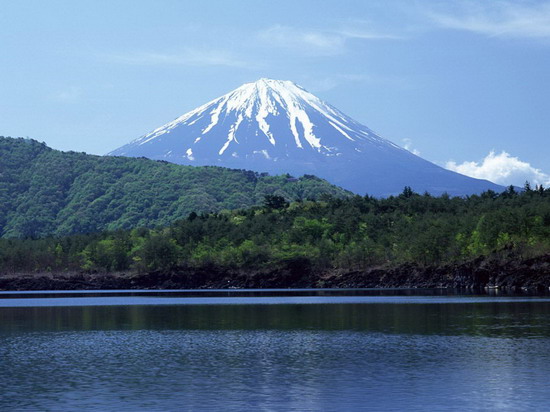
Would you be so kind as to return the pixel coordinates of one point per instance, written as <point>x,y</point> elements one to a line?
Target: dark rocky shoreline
<point>494,272</point>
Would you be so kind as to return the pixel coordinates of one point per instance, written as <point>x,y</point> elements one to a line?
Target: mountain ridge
<point>48,192</point>
<point>279,127</point>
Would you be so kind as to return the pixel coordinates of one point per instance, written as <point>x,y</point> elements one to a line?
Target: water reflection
<point>473,354</point>
<point>525,318</point>
<point>270,369</point>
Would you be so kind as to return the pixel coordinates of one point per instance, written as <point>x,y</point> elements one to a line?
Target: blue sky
<point>466,84</point>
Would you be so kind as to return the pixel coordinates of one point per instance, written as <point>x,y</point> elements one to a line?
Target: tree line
<point>349,233</point>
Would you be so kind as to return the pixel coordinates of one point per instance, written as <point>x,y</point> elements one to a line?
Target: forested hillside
<point>351,233</point>
<point>48,192</point>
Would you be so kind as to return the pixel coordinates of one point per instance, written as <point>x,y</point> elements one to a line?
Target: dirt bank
<point>510,273</point>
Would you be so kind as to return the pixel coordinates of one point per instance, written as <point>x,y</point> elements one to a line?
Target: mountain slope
<point>45,191</point>
<point>278,127</point>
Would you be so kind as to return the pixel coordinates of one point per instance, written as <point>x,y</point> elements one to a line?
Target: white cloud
<point>502,169</point>
<point>316,42</point>
<point>365,34</point>
<point>499,19</point>
<point>308,41</point>
<point>69,95</point>
<point>189,57</point>
<point>407,144</point>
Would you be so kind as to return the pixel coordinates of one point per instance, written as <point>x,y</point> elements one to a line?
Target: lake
<point>273,350</point>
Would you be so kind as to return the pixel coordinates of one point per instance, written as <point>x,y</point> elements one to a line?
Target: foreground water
<point>273,350</point>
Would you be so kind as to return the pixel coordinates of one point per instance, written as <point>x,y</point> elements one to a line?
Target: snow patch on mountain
<point>262,103</point>
<point>277,126</point>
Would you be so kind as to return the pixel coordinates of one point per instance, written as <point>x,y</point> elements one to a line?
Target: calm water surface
<point>273,350</point>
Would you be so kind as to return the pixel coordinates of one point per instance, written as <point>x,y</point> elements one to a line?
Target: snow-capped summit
<point>277,126</point>
<point>281,115</point>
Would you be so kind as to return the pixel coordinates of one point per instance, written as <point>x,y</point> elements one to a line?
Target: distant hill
<point>49,192</point>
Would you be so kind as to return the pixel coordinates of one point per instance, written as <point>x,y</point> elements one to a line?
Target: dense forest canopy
<point>48,192</point>
<point>355,232</point>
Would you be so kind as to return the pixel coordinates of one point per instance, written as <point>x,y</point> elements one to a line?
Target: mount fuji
<point>278,127</point>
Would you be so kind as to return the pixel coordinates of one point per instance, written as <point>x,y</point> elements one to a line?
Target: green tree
<point>275,202</point>
<point>158,252</point>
